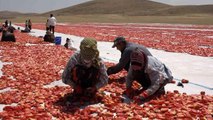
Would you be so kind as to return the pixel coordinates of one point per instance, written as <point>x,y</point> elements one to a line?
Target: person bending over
<point>150,73</point>
<point>125,48</point>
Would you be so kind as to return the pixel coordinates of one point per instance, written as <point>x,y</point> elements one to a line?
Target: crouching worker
<point>26,30</point>
<point>69,44</point>
<point>8,36</point>
<point>150,73</point>
<point>49,37</point>
<point>85,71</point>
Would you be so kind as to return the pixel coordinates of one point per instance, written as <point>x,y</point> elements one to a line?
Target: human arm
<point>66,75</point>
<point>129,80</point>
<point>103,79</point>
<point>124,60</point>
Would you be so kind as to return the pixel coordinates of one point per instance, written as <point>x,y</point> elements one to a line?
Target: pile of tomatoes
<point>191,39</point>
<point>28,69</point>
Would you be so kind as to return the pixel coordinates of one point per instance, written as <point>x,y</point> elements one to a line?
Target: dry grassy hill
<point>131,8</point>
<point>8,14</point>
<point>185,10</point>
<point>11,15</point>
<point>123,11</point>
<point>123,7</point>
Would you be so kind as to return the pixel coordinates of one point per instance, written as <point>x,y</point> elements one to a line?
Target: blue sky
<point>41,6</point>
<point>36,6</point>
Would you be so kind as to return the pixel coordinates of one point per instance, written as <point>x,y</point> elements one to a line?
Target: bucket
<point>58,40</point>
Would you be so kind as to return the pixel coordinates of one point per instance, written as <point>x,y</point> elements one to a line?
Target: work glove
<point>140,98</point>
<point>129,92</point>
<point>109,70</point>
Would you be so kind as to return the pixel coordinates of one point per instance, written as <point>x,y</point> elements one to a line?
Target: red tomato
<point>184,81</point>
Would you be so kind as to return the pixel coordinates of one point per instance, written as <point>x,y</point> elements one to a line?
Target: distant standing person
<point>52,23</point>
<point>26,24</point>
<point>27,29</point>
<point>6,23</point>
<point>47,25</point>
<point>29,24</point>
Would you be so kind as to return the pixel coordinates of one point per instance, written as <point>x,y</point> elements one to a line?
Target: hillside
<point>184,10</point>
<point>122,11</point>
<point>123,7</point>
<point>8,14</point>
<point>11,14</point>
<point>131,8</point>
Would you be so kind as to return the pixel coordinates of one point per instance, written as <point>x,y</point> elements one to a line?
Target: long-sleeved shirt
<point>124,61</point>
<point>76,60</point>
<point>158,75</point>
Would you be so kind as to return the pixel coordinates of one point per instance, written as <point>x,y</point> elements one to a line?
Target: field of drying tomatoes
<point>191,39</point>
<point>28,68</point>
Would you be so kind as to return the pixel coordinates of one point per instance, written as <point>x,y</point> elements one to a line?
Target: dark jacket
<point>26,30</point>
<point>124,61</point>
<point>7,36</point>
<point>49,37</point>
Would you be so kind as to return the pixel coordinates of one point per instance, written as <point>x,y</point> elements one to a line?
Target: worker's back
<point>49,37</point>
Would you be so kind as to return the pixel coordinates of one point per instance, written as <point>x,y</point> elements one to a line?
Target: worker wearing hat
<point>85,71</point>
<point>125,48</point>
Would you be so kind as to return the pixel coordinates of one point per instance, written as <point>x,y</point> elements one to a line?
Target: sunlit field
<point>30,65</point>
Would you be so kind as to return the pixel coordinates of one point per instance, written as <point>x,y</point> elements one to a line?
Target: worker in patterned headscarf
<point>85,72</point>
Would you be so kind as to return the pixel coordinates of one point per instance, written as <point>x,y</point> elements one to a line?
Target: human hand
<point>140,98</point>
<point>129,92</point>
<point>109,70</point>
